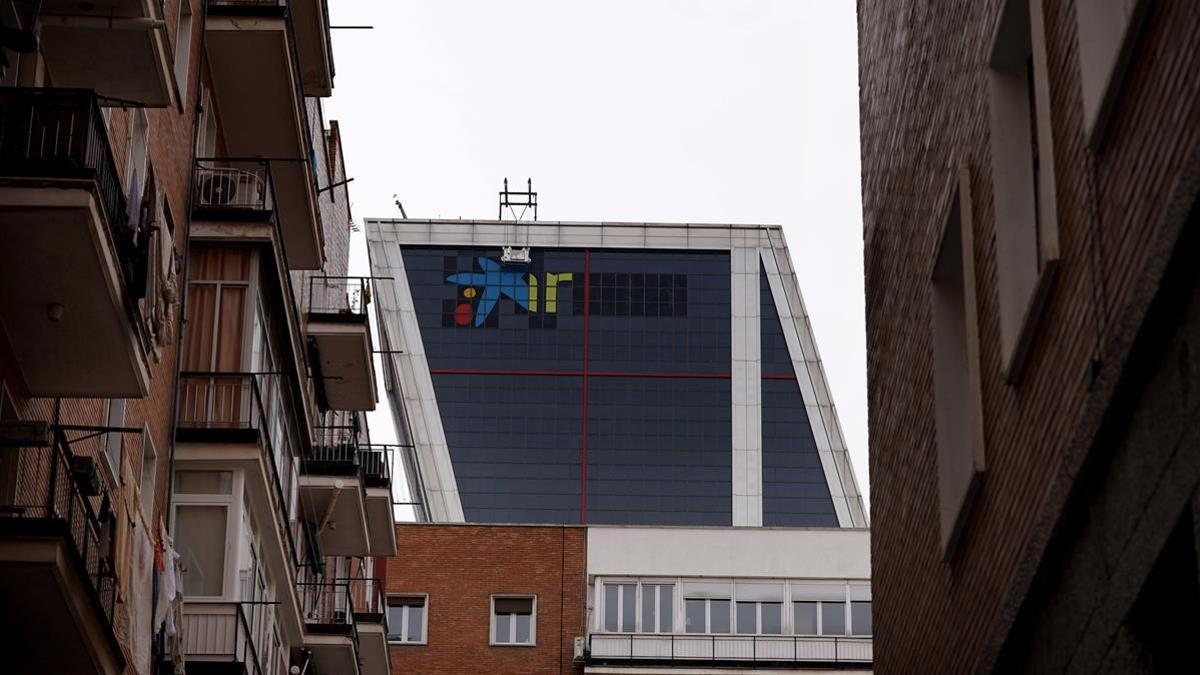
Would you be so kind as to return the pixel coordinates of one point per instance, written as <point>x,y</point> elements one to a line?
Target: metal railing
<point>341,296</point>
<point>335,449</point>
<point>55,486</point>
<point>233,187</point>
<point>52,133</point>
<point>368,599</point>
<point>222,403</point>
<point>728,648</point>
<point>327,607</point>
<point>221,632</point>
<point>376,464</point>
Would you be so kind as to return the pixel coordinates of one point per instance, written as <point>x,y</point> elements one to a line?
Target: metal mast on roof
<point>517,253</point>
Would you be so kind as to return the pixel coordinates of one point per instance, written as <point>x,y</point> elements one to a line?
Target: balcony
<point>251,421</point>
<point>341,336</point>
<point>57,584</point>
<point>332,496</point>
<point>376,466</point>
<point>729,650</point>
<point>311,23</point>
<point>62,207</point>
<point>330,629</point>
<point>255,79</point>
<point>370,615</point>
<point>117,47</point>
<point>223,638</point>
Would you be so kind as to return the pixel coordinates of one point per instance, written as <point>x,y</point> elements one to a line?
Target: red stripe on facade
<point>587,302</point>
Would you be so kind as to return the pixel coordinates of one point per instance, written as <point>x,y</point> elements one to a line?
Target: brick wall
<point>462,566</point>
<point>924,112</point>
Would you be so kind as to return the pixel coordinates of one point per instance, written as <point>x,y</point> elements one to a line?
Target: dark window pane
<point>514,605</point>
<point>666,609</point>
<point>395,621</point>
<point>860,618</point>
<point>719,616</point>
<point>805,618</point>
<point>610,607</point>
<point>523,623</point>
<point>833,618</point>
<point>628,607</point>
<point>694,615</point>
<point>502,627</point>
<point>772,618</point>
<point>415,621</point>
<point>747,618</point>
<point>649,595</point>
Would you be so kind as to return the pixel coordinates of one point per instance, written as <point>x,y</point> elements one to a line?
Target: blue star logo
<point>495,281</point>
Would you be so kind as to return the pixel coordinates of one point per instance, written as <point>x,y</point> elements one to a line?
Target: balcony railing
<point>335,451</point>
<point>248,408</point>
<point>56,491</point>
<point>334,298</point>
<point>376,464</point>
<point>367,598</point>
<point>728,649</point>
<point>51,134</point>
<point>327,607</point>
<point>221,632</point>
<point>233,189</point>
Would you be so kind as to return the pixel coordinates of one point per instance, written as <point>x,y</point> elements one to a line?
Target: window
<point>183,47</point>
<point>1107,32</point>
<point>514,620</point>
<point>621,607</point>
<point>860,618</point>
<point>200,534</point>
<point>114,441</point>
<point>759,618</point>
<point>149,473</point>
<point>958,406</point>
<point>658,608</point>
<point>406,619</point>
<point>825,617</point>
<point>1023,177</point>
<point>706,615</point>
<point>202,523</point>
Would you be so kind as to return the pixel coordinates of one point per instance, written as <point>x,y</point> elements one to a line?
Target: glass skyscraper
<point>626,374</point>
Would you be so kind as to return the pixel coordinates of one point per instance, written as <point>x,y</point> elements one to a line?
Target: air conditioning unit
<point>219,189</point>
<point>580,648</point>
<point>339,616</point>
<point>85,475</point>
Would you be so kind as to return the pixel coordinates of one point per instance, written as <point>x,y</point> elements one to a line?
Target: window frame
<point>234,505</point>
<point>401,638</point>
<point>492,641</point>
<point>1023,184</point>
<point>640,587</point>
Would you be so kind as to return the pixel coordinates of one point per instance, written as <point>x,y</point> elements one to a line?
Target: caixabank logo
<point>481,292</point>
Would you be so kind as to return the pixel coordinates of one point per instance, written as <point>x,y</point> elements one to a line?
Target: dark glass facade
<point>589,386</point>
<point>795,493</point>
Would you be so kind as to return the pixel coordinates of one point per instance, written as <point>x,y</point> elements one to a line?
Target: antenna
<point>517,253</point>
<point>400,206</point>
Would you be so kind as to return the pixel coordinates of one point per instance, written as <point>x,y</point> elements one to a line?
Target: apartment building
<point>185,364</point>
<point>658,384</point>
<point>1030,221</point>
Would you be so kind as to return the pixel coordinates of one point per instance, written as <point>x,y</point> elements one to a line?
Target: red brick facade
<point>1121,205</point>
<point>461,566</point>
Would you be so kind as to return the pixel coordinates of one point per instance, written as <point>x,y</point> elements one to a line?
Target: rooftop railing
<point>59,134</point>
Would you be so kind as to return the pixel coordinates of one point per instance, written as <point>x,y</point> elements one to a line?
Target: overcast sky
<point>738,111</point>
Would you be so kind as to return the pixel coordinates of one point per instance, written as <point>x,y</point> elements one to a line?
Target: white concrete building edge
<point>415,406</point>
